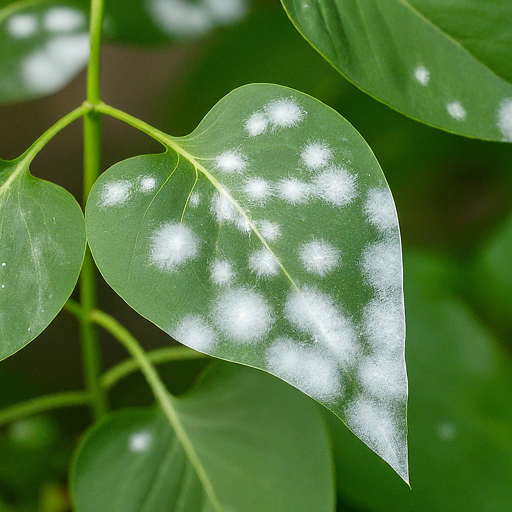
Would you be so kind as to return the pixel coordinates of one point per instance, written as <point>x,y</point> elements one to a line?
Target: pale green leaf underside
<point>446,63</point>
<point>42,244</point>
<point>262,445</point>
<point>271,239</point>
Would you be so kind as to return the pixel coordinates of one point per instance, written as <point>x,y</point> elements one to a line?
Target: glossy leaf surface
<point>42,244</point>
<point>447,64</point>
<point>261,444</point>
<point>269,237</point>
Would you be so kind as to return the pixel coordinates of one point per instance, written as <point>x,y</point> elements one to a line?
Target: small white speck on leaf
<point>231,162</point>
<point>319,257</point>
<point>284,113</point>
<point>263,263</point>
<point>456,110</point>
<point>140,441</point>
<point>422,75</point>
<point>316,155</point>
<point>505,119</point>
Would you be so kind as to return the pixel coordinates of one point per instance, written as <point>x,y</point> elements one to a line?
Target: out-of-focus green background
<point>454,200</point>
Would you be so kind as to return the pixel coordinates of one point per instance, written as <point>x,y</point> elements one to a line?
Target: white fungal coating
<point>140,441</point>
<point>422,75</point>
<point>505,119</point>
<point>242,314</point>
<point>258,189</point>
<point>196,333</point>
<point>195,199</point>
<point>256,124</point>
<point>224,211</point>
<point>263,263</point>
<point>172,245</point>
<point>379,208</point>
<point>231,162</point>
<point>382,264</point>
<point>456,110</point>
<point>335,186</point>
<point>22,26</point>
<point>270,231</point>
<point>384,325</point>
<point>115,193</point>
<point>306,368</point>
<point>147,183</point>
<point>293,191</point>
<point>316,314</point>
<point>63,19</point>
<point>284,113</point>
<point>221,272</point>
<point>383,376</point>
<point>379,430</point>
<point>319,257</point>
<point>316,155</point>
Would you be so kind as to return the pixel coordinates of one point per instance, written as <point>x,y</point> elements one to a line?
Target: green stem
<point>43,403</point>
<point>91,354</point>
<point>164,398</point>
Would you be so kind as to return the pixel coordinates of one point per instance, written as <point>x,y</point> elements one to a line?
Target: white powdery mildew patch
<point>180,17</point>
<point>195,199</point>
<point>335,186</point>
<point>224,211</point>
<point>316,155</point>
<point>22,26</point>
<point>306,368</point>
<point>315,313</point>
<point>231,162</point>
<point>140,441</point>
<point>243,315</point>
<point>384,325</point>
<point>63,19</point>
<point>319,257</point>
<point>147,183</point>
<point>456,110</point>
<point>258,189</point>
<point>384,376</point>
<point>380,431</point>
<point>382,265</point>
<point>284,113</point>
<point>505,119</point>
<point>172,245</point>
<point>256,124</point>
<point>379,208</point>
<point>195,332</point>
<point>115,193</point>
<point>270,231</point>
<point>422,75</point>
<point>221,272</point>
<point>263,263</point>
<point>293,191</point>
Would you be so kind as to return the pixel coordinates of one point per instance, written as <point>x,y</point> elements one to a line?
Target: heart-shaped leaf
<point>42,245</point>
<point>269,237</point>
<point>447,64</point>
<point>261,445</point>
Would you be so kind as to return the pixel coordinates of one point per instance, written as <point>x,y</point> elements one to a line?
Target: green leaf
<point>42,245</point>
<point>447,64</point>
<point>262,445</point>
<point>268,237</point>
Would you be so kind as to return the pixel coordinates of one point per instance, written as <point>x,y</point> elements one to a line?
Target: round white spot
<point>195,199</point>
<point>319,257</point>
<point>140,441</point>
<point>505,119</point>
<point>227,11</point>
<point>293,191</point>
<point>222,272</point>
<point>231,162</point>
<point>335,186</point>
<point>422,75</point>
<point>456,110</point>
<point>115,193</point>
<point>380,209</point>
<point>316,155</point>
<point>22,26</point>
<point>384,325</point>
<point>180,18</point>
<point>284,113</point>
<point>263,263</point>
<point>382,264</point>
<point>384,376</point>
<point>257,189</point>
<point>256,124</point>
<point>63,19</point>
<point>195,332</point>
<point>270,231</point>
<point>147,183</point>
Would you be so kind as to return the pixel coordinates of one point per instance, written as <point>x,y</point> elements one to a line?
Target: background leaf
<point>262,444</point>
<point>444,63</point>
<point>276,245</point>
<point>42,244</point>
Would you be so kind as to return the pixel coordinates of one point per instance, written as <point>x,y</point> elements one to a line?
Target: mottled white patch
<point>181,18</point>
<point>115,193</point>
<point>140,441</point>
<point>335,186</point>
<point>3,264</point>
<point>446,431</point>
<point>456,110</point>
<point>63,19</point>
<point>422,75</point>
<point>22,26</point>
<point>224,211</point>
<point>263,263</point>
<point>147,183</point>
<point>195,199</point>
<point>3,286</point>
<point>306,368</point>
<point>270,231</point>
<point>284,113</point>
<point>172,245</point>
<point>221,272</point>
<point>319,257</point>
<point>382,264</point>
<point>226,12</point>
<point>384,325</point>
<point>383,376</point>
<point>52,66</point>
<point>379,207</point>
<point>316,155</point>
<point>231,162</point>
<point>379,429</point>
<point>195,332</point>
<point>256,124</point>
<point>258,189</point>
<point>242,314</point>
<point>315,313</point>
<point>505,119</point>
<point>293,191</point>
